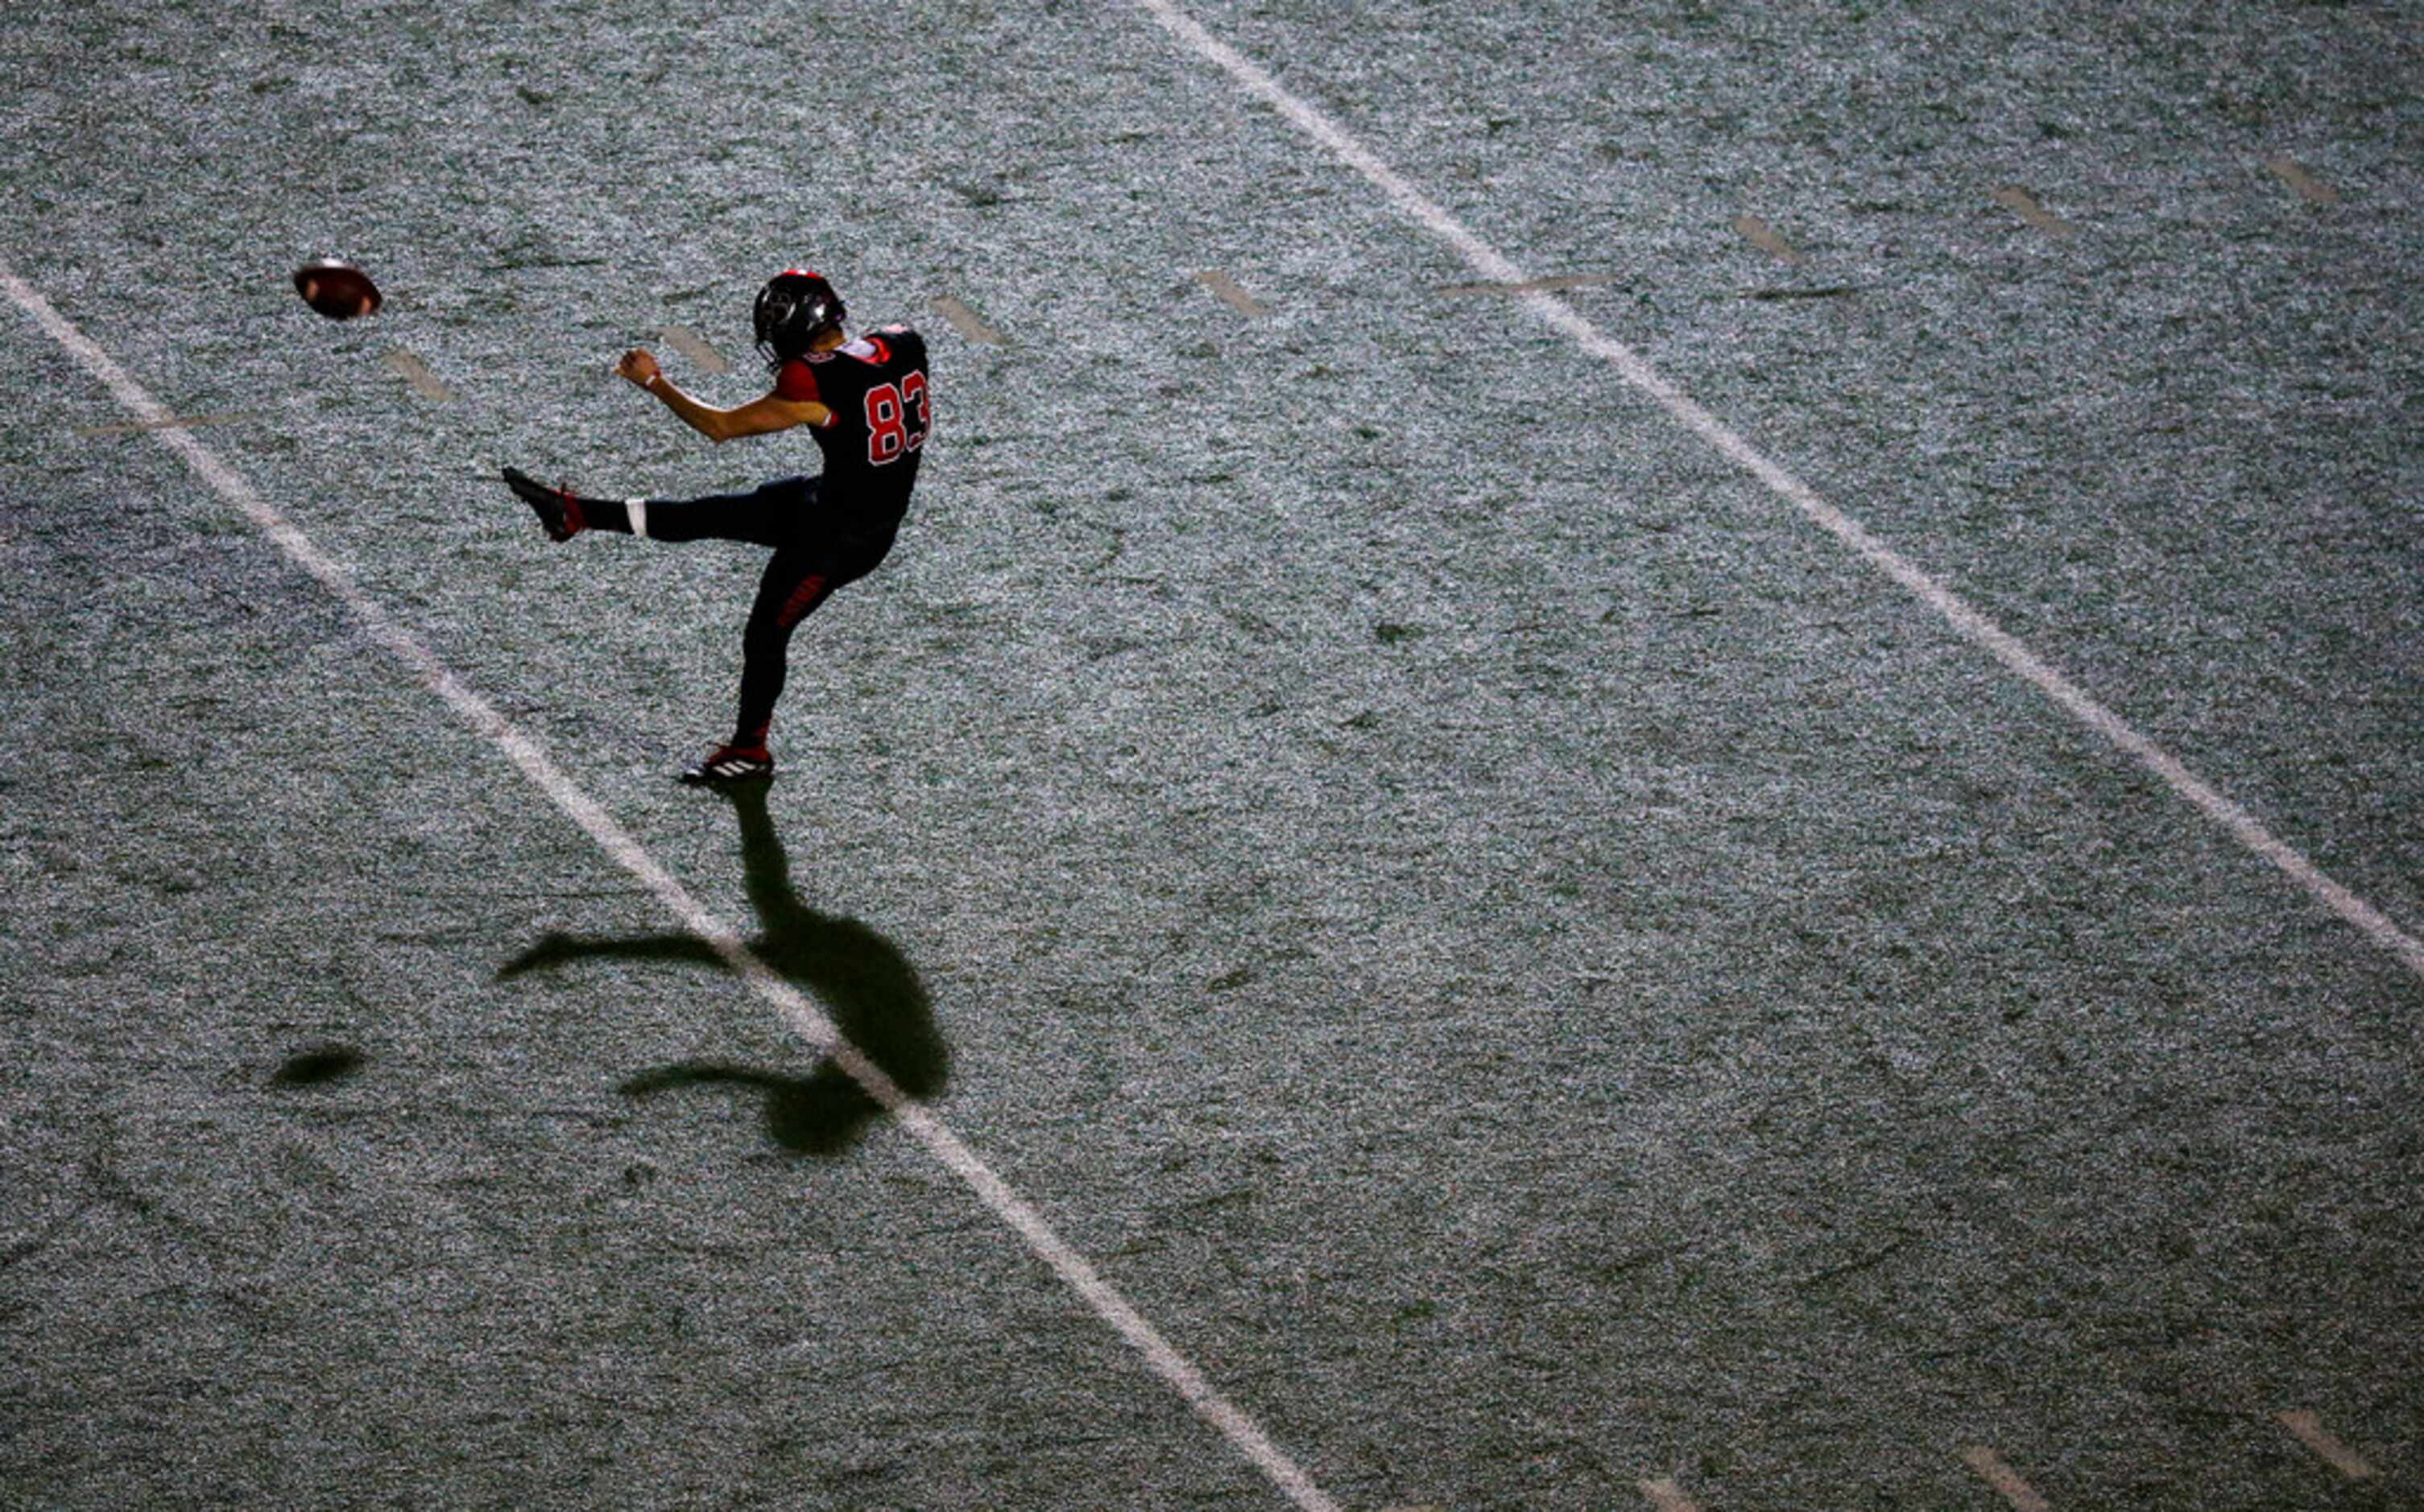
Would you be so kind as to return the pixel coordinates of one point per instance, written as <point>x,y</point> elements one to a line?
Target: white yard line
<point>1973,626</point>
<point>805,1018</point>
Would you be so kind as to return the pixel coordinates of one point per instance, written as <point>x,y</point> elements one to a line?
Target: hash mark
<point>1231,295</point>
<point>416,372</point>
<point>2310,1428</point>
<point>1760,235</point>
<point>2024,204</point>
<point>2294,174</point>
<point>966,323</point>
<point>693,346</point>
<point>1991,1469</point>
<point>1666,1496</point>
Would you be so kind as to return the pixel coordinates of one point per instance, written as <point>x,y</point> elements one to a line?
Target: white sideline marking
<point>1974,626</point>
<point>804,1017</point>
<point>1991,1469</point>
<point>2310,1428</point>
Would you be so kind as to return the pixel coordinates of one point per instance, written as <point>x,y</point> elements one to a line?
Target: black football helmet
<point>792,309</point>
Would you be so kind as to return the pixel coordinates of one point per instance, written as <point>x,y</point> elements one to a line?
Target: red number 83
<point>891,429</point>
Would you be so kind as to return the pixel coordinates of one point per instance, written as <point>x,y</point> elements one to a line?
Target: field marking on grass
<point>1972,626</point>
<point>965,321</point>
<point>2024,204</point>
<point>1666,1496</point>
<point>1231,293</point>
<point>2294,173</point>
<point>2310,1428</point>
<point>1760,235</point>
<point>803,1016</point>
<point>216,417</point>
<point>2004,1479</point>
<point>417,374</point>
<point>693,346</point>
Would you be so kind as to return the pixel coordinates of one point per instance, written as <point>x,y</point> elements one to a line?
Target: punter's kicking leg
<point>766,516</point>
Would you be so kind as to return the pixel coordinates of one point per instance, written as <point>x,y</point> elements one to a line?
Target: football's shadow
<point>859,978</point>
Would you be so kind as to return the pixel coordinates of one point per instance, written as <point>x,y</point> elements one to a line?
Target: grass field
<point>1545,978</point>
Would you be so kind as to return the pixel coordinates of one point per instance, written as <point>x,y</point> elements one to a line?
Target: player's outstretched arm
<point>759,417</point>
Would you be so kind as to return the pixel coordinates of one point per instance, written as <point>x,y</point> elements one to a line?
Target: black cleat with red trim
<point>729,764</point>
<point>558,510</point>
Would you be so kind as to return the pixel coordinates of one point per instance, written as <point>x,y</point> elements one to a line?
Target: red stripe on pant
<point>804,599</point>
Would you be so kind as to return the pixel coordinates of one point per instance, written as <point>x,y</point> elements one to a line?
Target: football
<point>337,289</point>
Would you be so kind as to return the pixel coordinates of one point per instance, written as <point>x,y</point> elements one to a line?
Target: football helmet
<point>793,308</point>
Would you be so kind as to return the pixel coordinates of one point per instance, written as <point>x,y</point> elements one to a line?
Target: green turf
<point>1535,969</point>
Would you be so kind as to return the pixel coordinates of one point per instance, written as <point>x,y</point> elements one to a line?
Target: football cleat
<point>731,764</point>
<point>558,511</point>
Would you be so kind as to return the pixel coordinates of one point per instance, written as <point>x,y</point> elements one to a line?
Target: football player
<point>867,404</point>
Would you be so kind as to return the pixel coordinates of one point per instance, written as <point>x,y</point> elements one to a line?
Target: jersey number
<point>892,427</point>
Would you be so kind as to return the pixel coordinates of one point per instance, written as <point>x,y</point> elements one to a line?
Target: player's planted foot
<point>730,764</point>
<point>558,511</point>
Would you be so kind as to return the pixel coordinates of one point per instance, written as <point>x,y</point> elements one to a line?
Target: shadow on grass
<point>859,978</point>
<point>322,1063</point>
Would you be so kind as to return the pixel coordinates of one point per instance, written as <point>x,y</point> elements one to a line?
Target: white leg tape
<point>639,508</point>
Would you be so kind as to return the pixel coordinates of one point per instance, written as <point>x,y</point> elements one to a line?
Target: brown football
<point>337,289</point>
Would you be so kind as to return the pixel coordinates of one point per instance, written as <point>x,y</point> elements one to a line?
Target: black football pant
<point>811,559</point>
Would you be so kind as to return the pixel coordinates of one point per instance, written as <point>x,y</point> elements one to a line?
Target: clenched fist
<point>639,365</point>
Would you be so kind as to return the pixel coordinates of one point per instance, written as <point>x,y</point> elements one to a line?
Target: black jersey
<point>882,409</point>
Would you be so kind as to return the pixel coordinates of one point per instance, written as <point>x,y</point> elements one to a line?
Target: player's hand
<point>639,365</point>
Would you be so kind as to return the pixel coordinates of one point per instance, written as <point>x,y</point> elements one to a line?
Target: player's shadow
<point>857,976</point>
